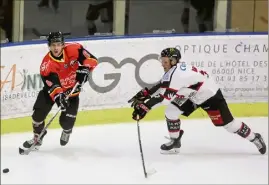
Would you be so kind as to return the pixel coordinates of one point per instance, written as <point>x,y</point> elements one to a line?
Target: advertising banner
<point>238,63</point>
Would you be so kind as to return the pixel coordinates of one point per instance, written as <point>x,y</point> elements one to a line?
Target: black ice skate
<point>65,137</point>
<point>173,146</point>
<point>29,143</point>
<point>259,142</point>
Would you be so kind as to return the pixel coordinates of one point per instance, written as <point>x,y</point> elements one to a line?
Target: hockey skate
<point>29,143</point>
<point>259,142</point>
<point>173,146</point>
<point>65,137</point>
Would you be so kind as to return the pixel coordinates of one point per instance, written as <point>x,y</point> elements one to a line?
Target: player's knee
<point>233,126</point>
<point>67,121</point>
<point>38,115</point>
<point>172,112</point>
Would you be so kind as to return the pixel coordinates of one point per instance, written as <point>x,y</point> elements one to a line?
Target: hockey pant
<point>217,110</point>
<point>43,106</point>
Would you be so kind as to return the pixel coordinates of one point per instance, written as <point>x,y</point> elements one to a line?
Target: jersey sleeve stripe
<point>196,86</point>
<point>56,91</point>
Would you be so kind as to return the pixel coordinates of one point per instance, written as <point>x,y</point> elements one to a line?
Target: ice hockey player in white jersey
<point>188,88</point>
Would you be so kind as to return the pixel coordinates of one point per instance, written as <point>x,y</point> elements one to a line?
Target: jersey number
<point>201,71</point>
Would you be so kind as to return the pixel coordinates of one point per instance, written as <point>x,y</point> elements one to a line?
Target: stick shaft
<point>141,150</point>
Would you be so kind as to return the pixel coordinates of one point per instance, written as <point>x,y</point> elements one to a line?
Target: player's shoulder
<point>46,58</point>
<point>72,49</point>
<point>184,69</point>
<point>72,46</point>
<point>46,64</point>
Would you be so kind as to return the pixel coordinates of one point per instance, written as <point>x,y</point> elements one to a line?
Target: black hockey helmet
<point>55,37</point>
<point>171,53</point>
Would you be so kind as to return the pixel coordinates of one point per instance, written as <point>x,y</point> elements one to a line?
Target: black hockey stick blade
<point>23,152</point>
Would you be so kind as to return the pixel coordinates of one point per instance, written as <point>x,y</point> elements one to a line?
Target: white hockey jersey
<point>185,81</point>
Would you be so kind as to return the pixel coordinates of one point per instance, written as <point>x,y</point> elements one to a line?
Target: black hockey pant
<point>43,106</point>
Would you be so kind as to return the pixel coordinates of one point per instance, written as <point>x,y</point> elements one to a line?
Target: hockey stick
<point>141,150</point>
<point>152,171</point>
<point>26,152</point>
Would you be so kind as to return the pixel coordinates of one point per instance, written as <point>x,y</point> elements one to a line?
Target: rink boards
<point>238,63</point>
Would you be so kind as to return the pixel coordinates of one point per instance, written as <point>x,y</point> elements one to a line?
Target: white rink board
<point>238,63</point>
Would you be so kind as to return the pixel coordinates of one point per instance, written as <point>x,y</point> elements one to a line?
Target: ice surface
<point>110,154</point>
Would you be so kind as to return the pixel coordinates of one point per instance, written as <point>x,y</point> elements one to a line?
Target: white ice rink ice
<point>110,154</point>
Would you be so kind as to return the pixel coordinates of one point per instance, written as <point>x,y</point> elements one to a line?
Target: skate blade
<point>170,152</point>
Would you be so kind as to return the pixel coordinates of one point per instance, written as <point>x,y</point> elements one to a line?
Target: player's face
<point>56,48</point>
<point>166,63</point>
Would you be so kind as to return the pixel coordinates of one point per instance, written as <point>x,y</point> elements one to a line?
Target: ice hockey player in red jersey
<point>188,88</point>
<point>62,67</point>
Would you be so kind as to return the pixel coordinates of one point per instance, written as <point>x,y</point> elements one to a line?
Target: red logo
<point>44,66</point>
<point>73,62</point>
<point>215,117</point>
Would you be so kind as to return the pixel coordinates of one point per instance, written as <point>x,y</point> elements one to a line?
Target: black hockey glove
<point>140,111</point>
<point>82,74</point>
<point>61,101</point>
<point>140,97</point>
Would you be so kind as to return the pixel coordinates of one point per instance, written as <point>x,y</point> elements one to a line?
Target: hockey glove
<point>61,101</point>
<point>140,111</point>
<point>140,97</point>
<point>82,74</point>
